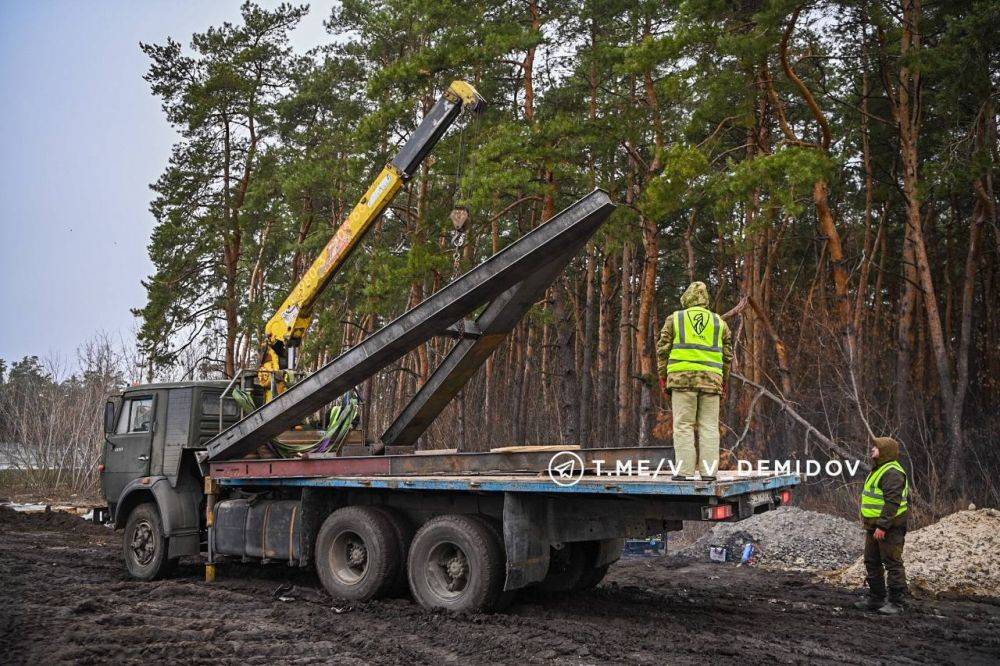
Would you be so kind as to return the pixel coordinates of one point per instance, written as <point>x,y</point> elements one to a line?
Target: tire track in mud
<point>65,598</point>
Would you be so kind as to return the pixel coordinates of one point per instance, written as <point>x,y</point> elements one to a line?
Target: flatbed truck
<point>460,531</point>
<point>186,471</point>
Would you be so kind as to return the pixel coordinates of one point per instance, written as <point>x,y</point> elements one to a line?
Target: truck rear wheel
<point>506,597</point>
<point>403,529</point>
<point>357,553</point>
<point>145,545</point>
<point>456,563</point>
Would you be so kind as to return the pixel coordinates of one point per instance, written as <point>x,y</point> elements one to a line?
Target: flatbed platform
<point>728,484</point>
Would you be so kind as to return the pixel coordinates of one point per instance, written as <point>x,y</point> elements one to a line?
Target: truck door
<point>128,447</point>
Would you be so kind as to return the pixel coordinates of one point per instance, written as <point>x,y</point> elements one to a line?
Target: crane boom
<point>286,329</point>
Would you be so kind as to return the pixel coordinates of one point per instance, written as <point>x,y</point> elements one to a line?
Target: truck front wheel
<point>456,563</point>
<point>144,544</point>
<point>357,554</point>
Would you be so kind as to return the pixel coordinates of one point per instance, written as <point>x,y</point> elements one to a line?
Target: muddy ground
<point>64,597</point>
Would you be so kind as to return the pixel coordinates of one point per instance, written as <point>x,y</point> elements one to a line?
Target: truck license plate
<point>756,499</point>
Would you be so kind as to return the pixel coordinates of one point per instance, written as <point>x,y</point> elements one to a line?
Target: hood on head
<point>696,294</point>
<point>888,449</point>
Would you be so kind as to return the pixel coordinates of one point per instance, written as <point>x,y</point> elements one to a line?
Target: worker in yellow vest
<point>693,356</point>
<point>884,511</point>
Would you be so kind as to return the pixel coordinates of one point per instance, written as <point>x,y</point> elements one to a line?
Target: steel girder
<point>507,281</point>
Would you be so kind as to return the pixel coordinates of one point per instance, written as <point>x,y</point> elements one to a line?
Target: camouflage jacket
<point>707,382</point>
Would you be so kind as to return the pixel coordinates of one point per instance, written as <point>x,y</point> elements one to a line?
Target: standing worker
<point>693,357</point>
<point>884,510</point>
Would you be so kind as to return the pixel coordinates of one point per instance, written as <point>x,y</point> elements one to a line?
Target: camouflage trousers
<point>884,563</point>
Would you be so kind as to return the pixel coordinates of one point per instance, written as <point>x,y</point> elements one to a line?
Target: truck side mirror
<point>109,416</point>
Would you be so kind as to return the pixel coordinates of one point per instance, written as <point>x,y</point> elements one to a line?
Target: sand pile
<point>959,554</point>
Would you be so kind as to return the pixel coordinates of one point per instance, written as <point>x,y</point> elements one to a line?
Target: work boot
<point>870,603</point>
<point>891,608</point>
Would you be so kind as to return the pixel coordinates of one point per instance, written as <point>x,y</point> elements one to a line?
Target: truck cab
<point>149,476</point>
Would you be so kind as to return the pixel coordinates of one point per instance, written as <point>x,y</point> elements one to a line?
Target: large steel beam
<point>467,356</point>
<point>446,464</point>
<point>515,263</point>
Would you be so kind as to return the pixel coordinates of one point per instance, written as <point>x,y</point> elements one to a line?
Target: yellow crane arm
<point>286,329</point>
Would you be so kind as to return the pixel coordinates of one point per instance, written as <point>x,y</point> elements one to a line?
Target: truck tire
<point>144,545</point>
<point>357,554</point>
<point>566,567</point>
<point>506,597</point>
<point>403,529</point>
<point>456,564</point>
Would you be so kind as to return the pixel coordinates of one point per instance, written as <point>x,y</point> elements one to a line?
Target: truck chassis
<point>375,525</point>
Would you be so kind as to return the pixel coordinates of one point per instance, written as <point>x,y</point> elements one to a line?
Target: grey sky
<point>81,139</point>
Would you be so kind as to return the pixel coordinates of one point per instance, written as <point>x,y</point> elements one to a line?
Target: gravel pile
<point>959,554</point>
<point>788,538</point>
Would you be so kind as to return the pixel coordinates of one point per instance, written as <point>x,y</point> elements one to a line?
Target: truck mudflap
<point>179,511</point>
<point>532,524</point>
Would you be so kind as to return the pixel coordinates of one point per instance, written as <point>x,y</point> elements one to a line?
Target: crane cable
<point>460,216</point>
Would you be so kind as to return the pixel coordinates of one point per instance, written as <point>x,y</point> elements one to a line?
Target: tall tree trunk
<point>569,388</point>
<point>489,390</point>
<point>905,333</point>
<point>605,373</point>
<point>524,401</point>
<point>649,386</point>
<point>528,65</point>
<point>871,239</point>
<point>952,473</point>
<point>908,115</point>
<point>625,347</point>
<point>586,369</point>
<point>643,344</point>
<point>689,245</point>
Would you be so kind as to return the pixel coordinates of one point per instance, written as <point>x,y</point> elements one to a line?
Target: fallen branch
<point>787,408</point>
<point>856,397</point>
<point>746,426</point>
<point>737,309</point>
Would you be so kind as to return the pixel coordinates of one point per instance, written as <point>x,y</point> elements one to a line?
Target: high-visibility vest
<point>697,343</point>
<point>872,499</point>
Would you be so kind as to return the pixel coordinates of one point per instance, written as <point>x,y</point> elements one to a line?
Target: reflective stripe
<point>679,323</point>
<point>682,345</point>
<point>710,364</point>
<point>715,338</point>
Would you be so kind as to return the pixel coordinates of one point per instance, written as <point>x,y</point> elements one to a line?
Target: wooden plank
<point>540,447</point>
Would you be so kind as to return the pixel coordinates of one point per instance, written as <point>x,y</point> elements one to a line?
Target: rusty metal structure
<point>507,284</point>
